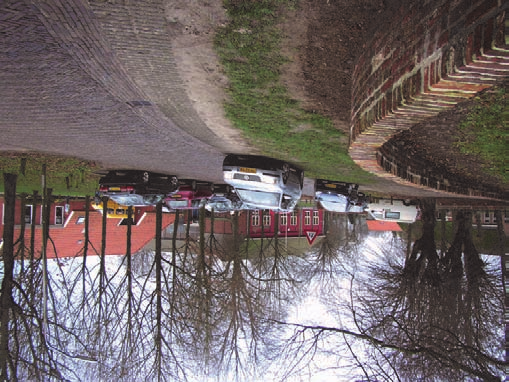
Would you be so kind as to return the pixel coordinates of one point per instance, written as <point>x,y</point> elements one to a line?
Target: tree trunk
<point>6,298</point>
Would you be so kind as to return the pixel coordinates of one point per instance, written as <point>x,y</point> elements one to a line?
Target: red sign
<point>311,236</point>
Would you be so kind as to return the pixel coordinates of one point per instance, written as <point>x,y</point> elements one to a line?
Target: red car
<point>191,194</point>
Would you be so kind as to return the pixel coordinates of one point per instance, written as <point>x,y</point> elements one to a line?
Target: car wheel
<point>145,177</point>
<point>286,172</point>
<point>194,186</point>
<point>212,187</point>
<point>301,179</point>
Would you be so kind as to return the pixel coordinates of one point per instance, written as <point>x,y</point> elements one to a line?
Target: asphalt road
<point>99,81</point>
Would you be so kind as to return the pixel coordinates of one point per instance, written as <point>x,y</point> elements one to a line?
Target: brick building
<point>258,223</point>
<point>67,229</point>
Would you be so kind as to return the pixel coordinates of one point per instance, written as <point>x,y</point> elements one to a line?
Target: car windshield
<point>177,203</point>
<point>136,200</point>
<point>219,206</point>
<point>333,198</point>
<point>262,198</point>
<point>333,202</point>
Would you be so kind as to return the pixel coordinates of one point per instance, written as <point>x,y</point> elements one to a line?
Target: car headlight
<point>228,175</point>
<point>269,179</point>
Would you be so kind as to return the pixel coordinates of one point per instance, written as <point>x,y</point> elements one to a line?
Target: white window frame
<point>266,218</point>
<point>293,218</point>
<point>307,217</point>
<point>255,218</point>
<point>28,217</point>
<point>316,218</point>
<point>56,215</point>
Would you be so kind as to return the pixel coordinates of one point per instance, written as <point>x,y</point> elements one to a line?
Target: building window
<point>283,219</point>
<point>307,218</point>
<point>392,215</point>
<point>293,218</point>
<point>28,214</point>
<point>59,215</point>
<point>255,218</point>
<point>316,218</point>
<point>80,220</point>
<point>506,217</point>
<point>487,217</point>
<point>266,218</point>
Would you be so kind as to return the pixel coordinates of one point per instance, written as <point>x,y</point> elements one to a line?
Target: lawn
<point>249,49</point>
<point>485,131</point>
<point>64,175</point>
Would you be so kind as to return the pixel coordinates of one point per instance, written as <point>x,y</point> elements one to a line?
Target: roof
<point>68,240</point>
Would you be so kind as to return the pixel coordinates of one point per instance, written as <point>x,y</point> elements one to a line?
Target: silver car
<point>264,183</point>
<point>337,196</point>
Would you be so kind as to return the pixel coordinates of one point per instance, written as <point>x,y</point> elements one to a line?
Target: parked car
<point>224,199</point>
<point>191,194</point>
<point>395,210</point>
<point>136,188</point>
<point>113,210</point>
<point>337,196</point>
<point>264,183</point>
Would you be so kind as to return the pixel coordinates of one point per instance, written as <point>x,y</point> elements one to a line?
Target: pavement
<point>98,80</point>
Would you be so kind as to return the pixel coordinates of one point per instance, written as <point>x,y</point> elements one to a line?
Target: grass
<point>485,132</point>
<point>249,49</point>
<point>64,175</point>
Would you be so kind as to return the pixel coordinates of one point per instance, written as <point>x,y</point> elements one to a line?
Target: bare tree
<point>428,317</point>
<point>338,246</point>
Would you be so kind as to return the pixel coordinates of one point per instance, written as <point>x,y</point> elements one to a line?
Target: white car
<point>264,183</point>
<point>396,210</point>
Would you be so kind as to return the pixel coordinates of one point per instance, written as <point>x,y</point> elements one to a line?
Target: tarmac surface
<point>99,81</point>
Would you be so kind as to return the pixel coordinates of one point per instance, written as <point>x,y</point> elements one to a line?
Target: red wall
<point>426,42</point>
<point>246,227</point>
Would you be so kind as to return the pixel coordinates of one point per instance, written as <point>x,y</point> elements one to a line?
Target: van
<point>394,210</point>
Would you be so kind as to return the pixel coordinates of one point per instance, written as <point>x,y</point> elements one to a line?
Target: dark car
<point>339,196</point>
<point>136,187</point>
<point>264,183</point>
<point>191,194</point>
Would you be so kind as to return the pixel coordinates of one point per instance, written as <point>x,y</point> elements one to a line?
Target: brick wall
<point>429,40</point>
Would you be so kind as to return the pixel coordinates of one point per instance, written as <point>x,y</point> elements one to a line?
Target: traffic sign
<point>311,236</point>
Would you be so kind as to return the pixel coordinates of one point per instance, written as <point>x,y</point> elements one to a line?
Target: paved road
<point>98,80</point>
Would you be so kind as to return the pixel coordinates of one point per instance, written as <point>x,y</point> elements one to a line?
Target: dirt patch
<point>192,24</point>
<point>323,41</point>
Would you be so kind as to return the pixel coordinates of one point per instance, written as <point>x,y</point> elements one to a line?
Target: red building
<point>258,223</point>
<point>67,228</point>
